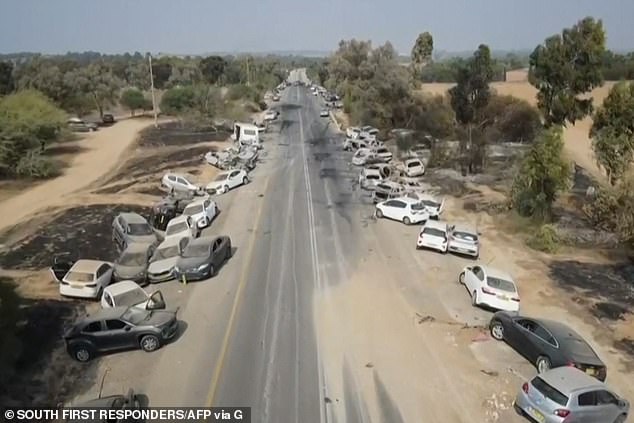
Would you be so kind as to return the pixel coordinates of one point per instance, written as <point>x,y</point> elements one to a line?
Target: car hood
<point>128,271</point>
<point>191,263</point>
<point>463,244</point>
<point>164,265</point>
<point>215,184</point>
<point>159,318</point>
<point>144,239</point>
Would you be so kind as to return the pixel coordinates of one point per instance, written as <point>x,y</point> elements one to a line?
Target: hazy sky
<point>200,26</point>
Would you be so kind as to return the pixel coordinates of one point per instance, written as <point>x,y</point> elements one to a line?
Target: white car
<point>181,227</point>
<point>369,178</point>
<point>490,287</point>
<point>414,168</point>
<point>383,154</point>
<point>433,235</point>
<point>463,239</point>
<point>387,190</point>
<point>129,294</point>
<point>179,182</point>
<point>201,211</point>
<point>324,113</point>
<point>353,132</point>
<point>433,205</point>
<point>403,209</point>
<point>86,279</point>
<point>163,261</point>
<point>227,180</point>
<point>362,156</point>
<point>369,132</point>
<point>270,115</point>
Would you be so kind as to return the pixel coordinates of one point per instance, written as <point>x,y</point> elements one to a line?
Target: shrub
<point>440,155</point>
<point>545,240</point>
<point>34,165</point>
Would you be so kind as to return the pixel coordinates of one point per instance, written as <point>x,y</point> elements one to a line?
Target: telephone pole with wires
<point>153,95</point>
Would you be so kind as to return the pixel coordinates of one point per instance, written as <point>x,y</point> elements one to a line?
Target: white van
<point>246,134</point>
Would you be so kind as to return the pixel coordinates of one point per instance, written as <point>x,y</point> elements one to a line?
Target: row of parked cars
<point>570,384</point>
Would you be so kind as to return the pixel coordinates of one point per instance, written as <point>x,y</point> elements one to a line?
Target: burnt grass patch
<point>83,232</point>
<point>113,189</point>
<point>34,369</point>
<point>180,133</point>
<point>610,287</point>
<point>151,190</point>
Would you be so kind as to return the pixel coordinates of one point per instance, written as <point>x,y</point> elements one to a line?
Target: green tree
<point>96,81</point>
<point>137,74</point>
<point>184,72</point>
<point>178,100</point>
<point>469,98</point>
<point>28,122</point>
<point>133,99</point>
<point>161,71</point>
<point>565,67</point>
<point>422,51</point>
<point>542,174</point>
<point>510,119</point>
<point>6,78</point>
<point>212,68</point>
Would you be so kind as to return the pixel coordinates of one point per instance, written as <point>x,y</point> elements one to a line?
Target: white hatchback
<point>433,235</point>
<point>201,211</point>
<point>414,168</point>
<point>129,294</point>
<point>403,209</point>
<point>86,279</point>
<point>490,287</point>
<point>227,180</point>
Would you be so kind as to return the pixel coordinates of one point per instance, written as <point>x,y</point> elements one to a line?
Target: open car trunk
<point>61,265</point>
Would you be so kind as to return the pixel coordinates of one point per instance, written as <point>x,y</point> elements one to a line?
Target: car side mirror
<point>127,328</point>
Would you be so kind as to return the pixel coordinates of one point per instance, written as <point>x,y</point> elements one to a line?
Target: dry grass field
<point>578,144</point>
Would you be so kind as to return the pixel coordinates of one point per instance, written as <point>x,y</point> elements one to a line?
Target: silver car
<point>161,267</point>
<point>566,394</point>
<point>132,263</point>
<point>463,239</point>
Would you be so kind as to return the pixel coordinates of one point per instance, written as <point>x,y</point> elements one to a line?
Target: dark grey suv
<point>120,328</point>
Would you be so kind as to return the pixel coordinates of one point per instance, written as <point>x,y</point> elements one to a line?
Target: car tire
<point>497,330</point>
<point>245,180</point>
<point>228,254</point>
<point>407,221</point>
<point>378,213</point>
<point>474,299</point>
<point>225,189</point>
<point>149,343</point>
<point>82,353</point>
<point>621,418</point>
<point>212,272</point>
<point>461,278</point>
<point>542,364</point>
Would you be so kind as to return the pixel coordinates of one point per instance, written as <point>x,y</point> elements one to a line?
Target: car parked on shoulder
<point>433,205</point>
<point>383,154</point>
<point>353,132</point>
<point>86,279</point>
<point>120,328</point>
<point>180,182</point>
<point>132,263</point>
<point>227,180</point>
<point>369,132</point>
<point>433,235</point>
<point>181,227</point>
<point>202,258</point>
<point>414,168</point>
<point>161,267</point>
<point>324,113</point>
<point>566,394</point>
<point>130,401</point>
<point>403,209</point>
<point>369,178</point>
<point>387,190</point>
<point>490,287</point>
<point>202,211</point>
<point>130,294</point>
<point>78,125</point>
<point>363,156</point>
<point>547,344</point>
<point>108,119</point>
<point>276,98</point>
<point>132,228</point>
<point>463,239</point>
<point>270,115</point>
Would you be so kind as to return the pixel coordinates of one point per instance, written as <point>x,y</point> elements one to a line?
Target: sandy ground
<point>578,145</point>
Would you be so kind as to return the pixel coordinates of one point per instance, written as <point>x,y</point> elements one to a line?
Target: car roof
<point>465,227</point>
<point>181,175</point>
<point>107,313</point>
<point>246,126</point>
<point>497,273</point>
<point>413,160</point>
<point>197,202</point>
<point>87,266</point>
<point>178,219</point>
<point>203,240</point>
<point>131,217</point>
<point>409,200</point>
<point>121,287</point>
<point>168,242</point>
<point>436,224</point>
<point>137,247</point>
<point>558,330</point>
<point>371,171</point>
<point>570,379</point>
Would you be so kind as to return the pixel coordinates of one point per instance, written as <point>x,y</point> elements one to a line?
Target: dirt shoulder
<point>99,152</point>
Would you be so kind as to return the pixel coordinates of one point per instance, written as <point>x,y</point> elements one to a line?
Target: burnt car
<point>120,328</point>
<point>202,257</point>
<point>130,401</point>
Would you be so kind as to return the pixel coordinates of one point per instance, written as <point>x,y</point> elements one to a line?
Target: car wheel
<point>474,299</point>
<point>225,189</point>
<point>461,278</point>
<point>228,254</point>
<point>150,343</point>
<point>82,353</point>
<point>620,419</point>
<point>497,330</point>
<point>542,364</point>
<point>245,181</point>
<point>406,220</point>
<point>379,213</point>
<point>211,272</point>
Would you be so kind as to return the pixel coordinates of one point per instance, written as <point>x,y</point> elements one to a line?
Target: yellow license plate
<point>536,414</point>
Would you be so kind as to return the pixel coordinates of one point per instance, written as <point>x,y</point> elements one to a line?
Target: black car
<point>107,119</point>
<point>120,328</point>
<point>546,343</point>
<point>202,258</point>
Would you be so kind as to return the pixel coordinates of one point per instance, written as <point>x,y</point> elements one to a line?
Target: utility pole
<point>153,96</point>
<point>248,73</point>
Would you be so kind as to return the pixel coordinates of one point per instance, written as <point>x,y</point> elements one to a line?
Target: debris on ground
<point>496,404</point>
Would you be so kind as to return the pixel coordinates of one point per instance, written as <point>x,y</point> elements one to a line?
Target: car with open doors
<point>547,344</point>
<point>130,294</point>
<point>84,278</point>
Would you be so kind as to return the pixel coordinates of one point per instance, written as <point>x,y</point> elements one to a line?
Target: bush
<point>602,211</point>
<point>177,100</point>
<point>545,240</point>
<point>440,155</point>
<point>34,165</point>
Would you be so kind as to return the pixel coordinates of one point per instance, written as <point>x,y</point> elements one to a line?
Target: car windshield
<point>548,391</point>
<point>430,203</point>
<point>140,229</point>
<point>136,315</point>
<point>418,206</point>
<point>196,251</point>
<point>79,277</point>
<point>130,298</point>
<point>376,177</point>
<point>165,253</point>
<point>132,259</point>
<point>434,232</point>
<point>413,164</point>
<point>176,228</point>
<point>500,284</point>
<point>465,236</point>
<point>192,210</point>
<point>221,177</point>
<point>382,150</point>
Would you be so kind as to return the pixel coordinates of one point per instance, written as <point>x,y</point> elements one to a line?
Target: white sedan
<point>179,182</point>
<point>129,294</point>
<point>403,209</point>
<point>228,180</point>
<point>490,287</point>
<point>180,227</point>
<point>86,279</point>
<point>414,168</point>
<point>201,211</point>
